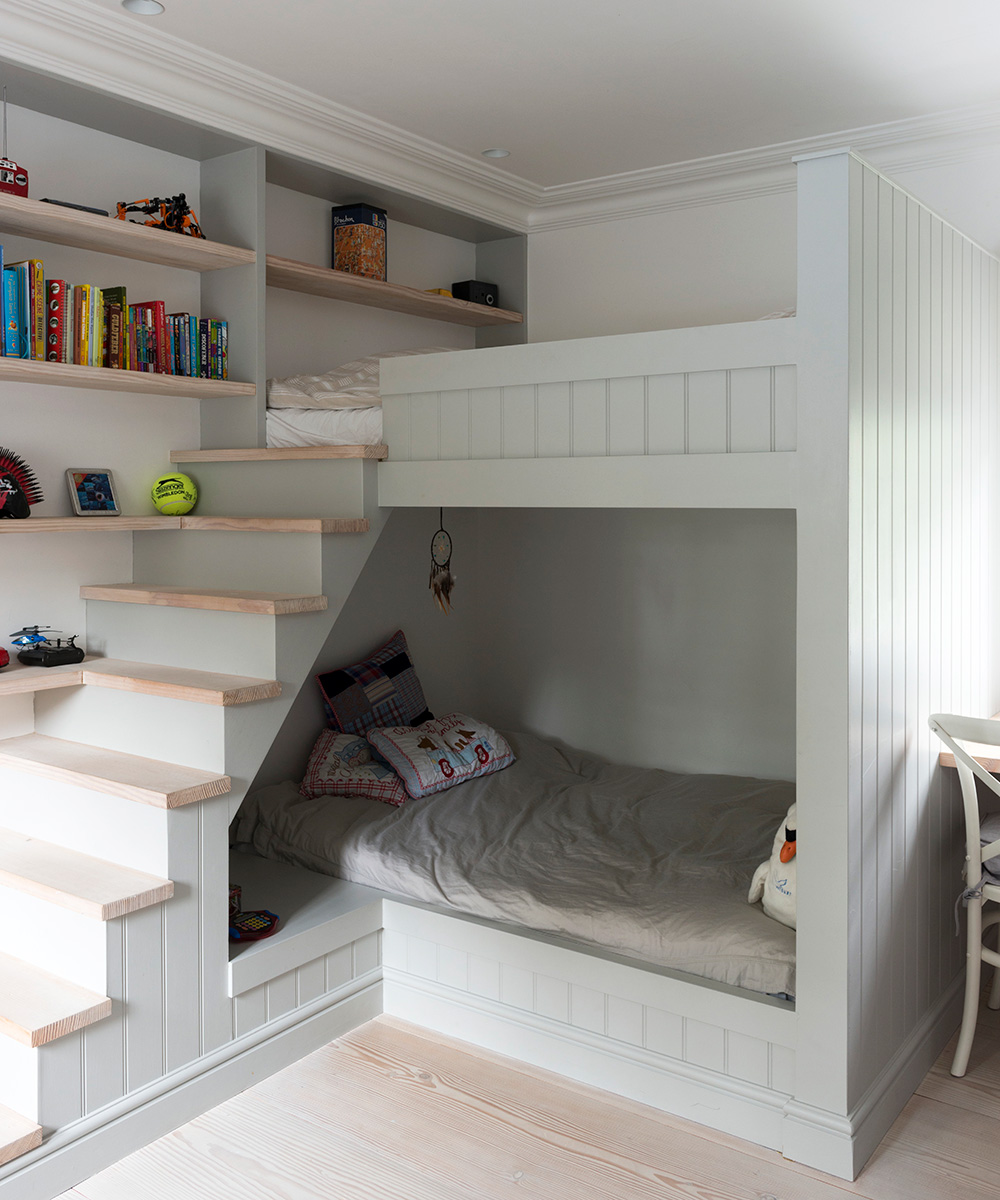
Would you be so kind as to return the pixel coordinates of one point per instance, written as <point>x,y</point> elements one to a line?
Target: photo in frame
<point>92,492</point>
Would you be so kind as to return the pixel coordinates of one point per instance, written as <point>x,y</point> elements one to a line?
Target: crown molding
<point>79,41</point>
<point>940,139</point>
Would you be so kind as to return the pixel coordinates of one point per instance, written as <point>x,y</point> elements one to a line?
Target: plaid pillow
<point>382,690</point>
<point>341,764</point>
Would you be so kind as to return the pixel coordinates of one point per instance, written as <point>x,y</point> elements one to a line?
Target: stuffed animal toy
<point>774,880</point>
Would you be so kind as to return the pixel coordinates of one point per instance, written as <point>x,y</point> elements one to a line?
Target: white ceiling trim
<point>87,44</point>
<point>82,42</point>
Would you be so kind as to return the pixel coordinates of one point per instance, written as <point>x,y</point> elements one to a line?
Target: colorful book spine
<point>3,311</point>
<point>203,348</point>
<point>36,303</point>
<point>55,308</point>
<point>12,314</point>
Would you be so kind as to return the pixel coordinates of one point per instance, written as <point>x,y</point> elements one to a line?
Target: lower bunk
<point>586,918</point>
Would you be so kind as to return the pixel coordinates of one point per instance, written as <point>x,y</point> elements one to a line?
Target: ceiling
<point>580,89</point>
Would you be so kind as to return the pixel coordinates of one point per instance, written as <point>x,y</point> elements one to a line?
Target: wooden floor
<point>390,1112</point>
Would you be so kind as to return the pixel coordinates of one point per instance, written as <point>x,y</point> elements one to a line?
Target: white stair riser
<point>240,561</point>
<point>108,827</point>
<point>50,937</point>
<point>232,643</point>
<point>132,723</point>
<point>275,489</point>
<point>19,1078</point>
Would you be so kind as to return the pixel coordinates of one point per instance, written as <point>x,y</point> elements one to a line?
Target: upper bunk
<point>701,417</point>
<point>895,321</point>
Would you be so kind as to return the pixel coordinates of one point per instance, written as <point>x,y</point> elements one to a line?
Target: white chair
<point>981,886</point>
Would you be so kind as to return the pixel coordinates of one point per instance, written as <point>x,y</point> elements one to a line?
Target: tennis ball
<point>174,495</point>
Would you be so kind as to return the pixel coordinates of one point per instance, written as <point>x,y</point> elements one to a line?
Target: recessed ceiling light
<point>144,8</point>
<point>496,153</point>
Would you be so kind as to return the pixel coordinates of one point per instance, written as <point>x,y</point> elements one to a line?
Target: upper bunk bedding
<point>649,864</point>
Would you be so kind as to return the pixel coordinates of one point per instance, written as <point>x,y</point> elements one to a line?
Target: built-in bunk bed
<point>872,415</point>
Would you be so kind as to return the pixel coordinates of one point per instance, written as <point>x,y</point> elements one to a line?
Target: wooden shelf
<point>36,1007</point>
<point>104,379</point>
<point>145,780</point>
<point>107,235</point>
<point>18,1135</point>
<point>291,453</point>
<point>278,524</point>
<point>273,604</point>
<point>78,882</point>
<point>356,289</point>
<point>88,524</point>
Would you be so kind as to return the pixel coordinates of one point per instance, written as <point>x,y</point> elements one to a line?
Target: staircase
<point>115,806</point>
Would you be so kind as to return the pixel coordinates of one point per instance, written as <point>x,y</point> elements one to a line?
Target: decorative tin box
<point>359,237</point>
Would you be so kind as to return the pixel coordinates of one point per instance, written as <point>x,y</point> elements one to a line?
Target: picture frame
<point>92,492</point>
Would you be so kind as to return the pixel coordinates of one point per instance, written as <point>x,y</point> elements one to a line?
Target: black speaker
<point>477,292</point>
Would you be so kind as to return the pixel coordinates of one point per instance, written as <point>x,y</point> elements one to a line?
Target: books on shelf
<point>57,321</point>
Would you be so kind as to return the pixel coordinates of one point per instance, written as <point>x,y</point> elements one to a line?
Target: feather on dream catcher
<point>442,581</point>
<point>18,486</point>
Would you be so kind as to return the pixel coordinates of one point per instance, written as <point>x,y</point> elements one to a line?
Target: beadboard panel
<point>345,969</point>
<point>745,409</point>
<point>924,527</point>
<point>704,1026</point>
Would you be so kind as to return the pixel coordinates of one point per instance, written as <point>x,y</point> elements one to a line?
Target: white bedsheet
<point>324,427</point>
<point>647,863</point>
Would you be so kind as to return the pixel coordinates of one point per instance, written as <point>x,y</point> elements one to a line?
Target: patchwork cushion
<point>437,755</point>
<point>382,690</point>
<point>341,764</point>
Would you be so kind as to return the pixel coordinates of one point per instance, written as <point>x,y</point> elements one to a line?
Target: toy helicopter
<point>38,650</point>
<point>173,213</point>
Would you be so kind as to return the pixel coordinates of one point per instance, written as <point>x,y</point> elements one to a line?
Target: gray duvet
<point>649,864</point>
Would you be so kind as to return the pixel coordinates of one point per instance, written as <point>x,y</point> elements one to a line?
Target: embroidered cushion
<point>341,764</point>
<point>439,754</point>
<point>381,690</point>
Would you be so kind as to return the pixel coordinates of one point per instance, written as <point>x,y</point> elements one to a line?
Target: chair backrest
<point>953,731</point>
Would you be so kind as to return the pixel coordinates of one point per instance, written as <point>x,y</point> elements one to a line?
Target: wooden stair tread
<point>36,1007</point>
<point>79,882</point>
<point>268,603</point>
<point>152,679</point>
<point>279,524</point>
<point>18,1135</point>
<point>280,453</point>
<point>97,524</point>
<point>145,780</point>
<point>179,683</point>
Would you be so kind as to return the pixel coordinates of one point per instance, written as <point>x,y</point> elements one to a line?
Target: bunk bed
<point>872,415</point>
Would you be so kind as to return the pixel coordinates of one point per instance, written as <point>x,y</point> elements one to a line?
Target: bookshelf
<point>87,231</point>
<point>393,297</point>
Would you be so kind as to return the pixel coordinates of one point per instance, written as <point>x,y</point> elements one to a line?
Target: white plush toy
<point>774,880</point>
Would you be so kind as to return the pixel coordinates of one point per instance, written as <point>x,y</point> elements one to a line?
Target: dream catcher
<point>18,486</point>
<point>442,580</point>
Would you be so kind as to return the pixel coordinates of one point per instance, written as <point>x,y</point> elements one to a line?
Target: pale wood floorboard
<point>392,1112</point>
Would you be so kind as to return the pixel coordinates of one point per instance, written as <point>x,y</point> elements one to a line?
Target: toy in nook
<point>4,658</point>
<point>248,926</point>
<point>13,179</point>
<point>173,213</point>
<point>40,650</point>
<point>774,881</point>
<point>174,495</point>
<point>18,486</point>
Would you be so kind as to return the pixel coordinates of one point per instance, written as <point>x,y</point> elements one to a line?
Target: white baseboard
<point>706,1097</point>
<point>841,1145</point>
<point>82,1149</point>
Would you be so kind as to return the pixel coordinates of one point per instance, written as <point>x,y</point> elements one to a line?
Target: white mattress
<point>324,427</point>
<point>650,864</point>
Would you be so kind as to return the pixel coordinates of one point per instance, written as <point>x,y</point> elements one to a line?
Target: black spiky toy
<point>18,486</point>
